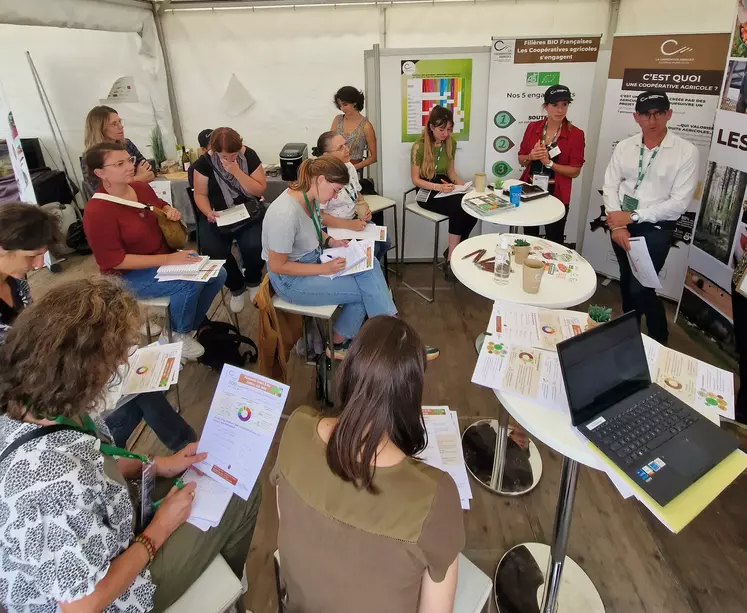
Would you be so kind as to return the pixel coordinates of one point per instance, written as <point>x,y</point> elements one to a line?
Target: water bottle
<point>502,263</point>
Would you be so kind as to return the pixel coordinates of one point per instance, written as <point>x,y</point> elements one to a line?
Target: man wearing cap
<point>648,185</point>
<point>552,154</point>
<point>203,138</point>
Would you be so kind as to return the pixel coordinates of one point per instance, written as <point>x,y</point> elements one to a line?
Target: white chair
<point>215,591</point>
<point>472,591</point>
<point>379,204</point>
<point>437,220</point>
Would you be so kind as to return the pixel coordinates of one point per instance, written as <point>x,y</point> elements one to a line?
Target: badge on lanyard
<point>148,480</point>
<point>629,203</point>
<point>554,152</point>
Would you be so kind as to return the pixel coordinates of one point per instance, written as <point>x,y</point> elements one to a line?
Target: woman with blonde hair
<point>103,125</point>
<point>71,538</point>
<point>293,240</point>
<point>432,169</point>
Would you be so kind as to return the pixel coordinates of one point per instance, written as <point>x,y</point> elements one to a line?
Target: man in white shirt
<point>648,185</point>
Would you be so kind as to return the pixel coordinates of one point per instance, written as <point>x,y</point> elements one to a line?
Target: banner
<point>721,230</point>
<point>690,69</point>
<point>427,83</point>
<point>520,72</point>
<point>15,152</point>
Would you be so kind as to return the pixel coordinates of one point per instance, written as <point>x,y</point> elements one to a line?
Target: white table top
<point>528,214</point>
<point>553,293</point>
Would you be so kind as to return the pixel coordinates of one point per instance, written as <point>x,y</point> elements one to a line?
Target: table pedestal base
<point>520,583</point>
<point>497,462</point>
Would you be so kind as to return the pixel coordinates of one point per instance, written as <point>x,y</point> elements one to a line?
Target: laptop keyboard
<point>643,427</point>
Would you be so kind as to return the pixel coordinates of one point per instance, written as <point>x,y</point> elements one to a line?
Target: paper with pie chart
<point>153,369</point>
<point>240,426</point>
<point>534,326</point>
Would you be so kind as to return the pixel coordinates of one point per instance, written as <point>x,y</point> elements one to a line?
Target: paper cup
<point>481,182</point>
<point>521,253</point>
<point>532,275</point>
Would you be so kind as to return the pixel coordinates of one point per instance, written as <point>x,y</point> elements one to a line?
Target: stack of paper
<point>444,448</point>
<point>358,256</point>
<point>488,204</point>
<point>211,500</point>
<point>370,232</point>
<point>154,368</point>
<point>458,189</point>
<point>202,270</point>
<point>534,326</point>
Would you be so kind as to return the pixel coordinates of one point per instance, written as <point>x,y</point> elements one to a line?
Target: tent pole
<point>169,81</point>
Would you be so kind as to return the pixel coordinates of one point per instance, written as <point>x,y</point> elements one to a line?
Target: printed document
<point>193,267</point>
<point>240,426</point>
<point>209,271</point>
<point>231,216</point>
<point>359,256</point>
<point>370,232</point>
<point>458,189</point>
<point>640,263</point>
<point>534,326</point>
<point>211,500</point>
<point>153,369</point>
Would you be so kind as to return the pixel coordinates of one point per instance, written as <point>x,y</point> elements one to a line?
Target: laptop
<point>661,443</point>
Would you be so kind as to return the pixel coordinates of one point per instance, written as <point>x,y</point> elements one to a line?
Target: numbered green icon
<point>501,169</point>
<point>503,144</point>
<point>503,119</point>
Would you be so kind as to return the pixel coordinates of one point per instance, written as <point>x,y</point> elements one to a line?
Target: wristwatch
<point>635,217</point>
<point>550,165</point>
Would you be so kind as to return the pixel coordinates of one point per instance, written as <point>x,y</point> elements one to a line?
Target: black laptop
<point>661,443</point>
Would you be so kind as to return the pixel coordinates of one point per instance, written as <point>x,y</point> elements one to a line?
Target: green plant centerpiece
<point>156,146</point>
<point>521,250</point>
<point>598,315</point>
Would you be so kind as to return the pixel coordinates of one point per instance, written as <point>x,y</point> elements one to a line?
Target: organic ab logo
<point>501,169</point>
<point>503,119</point>
<point>532,78</point>
<point>503,144</point>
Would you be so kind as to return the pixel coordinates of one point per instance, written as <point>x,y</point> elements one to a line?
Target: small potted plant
<point>521,250</point>
<point>598,315</point>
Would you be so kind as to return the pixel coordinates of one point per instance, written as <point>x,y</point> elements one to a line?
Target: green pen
<point>179,484</point>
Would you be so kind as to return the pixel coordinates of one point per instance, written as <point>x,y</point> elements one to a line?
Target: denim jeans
<point>190,300</point>
<point>153,407</point>
<point>365,293</point>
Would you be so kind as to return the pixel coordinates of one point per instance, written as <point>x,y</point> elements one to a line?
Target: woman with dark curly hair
<point>358,132</point>
<point>68,540</point>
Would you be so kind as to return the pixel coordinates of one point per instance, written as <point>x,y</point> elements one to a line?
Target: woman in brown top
<point>364,526</point>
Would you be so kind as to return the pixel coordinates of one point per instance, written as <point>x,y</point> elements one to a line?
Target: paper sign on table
<point>640,263</point>
<point>153,369</point>
<point>240,426</point>
<point>359,256</point>
<point>231,216</point>
<point>370,232</point>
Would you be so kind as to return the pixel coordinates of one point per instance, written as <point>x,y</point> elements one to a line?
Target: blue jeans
<point>365,293</point>
<point>190,300</point>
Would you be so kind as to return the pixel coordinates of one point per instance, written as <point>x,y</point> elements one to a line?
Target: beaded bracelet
<point>146,542</point>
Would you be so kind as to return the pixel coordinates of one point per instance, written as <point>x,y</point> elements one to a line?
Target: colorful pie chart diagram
<point>673,383</point>
<point>526,356</point>
<point>244,413</point>
<point>141,370</point>
<point>548,329</point>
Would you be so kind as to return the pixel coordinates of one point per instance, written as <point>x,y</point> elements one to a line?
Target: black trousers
<point>554,231</point>
<point>739,315</point>
<point>218,247</point>
<point>460,222</point>
<point>635,297</point>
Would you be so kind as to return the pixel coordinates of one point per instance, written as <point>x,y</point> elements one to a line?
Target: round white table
<point>539,212</point>
<point>563,587</point>
<point>491,456</point>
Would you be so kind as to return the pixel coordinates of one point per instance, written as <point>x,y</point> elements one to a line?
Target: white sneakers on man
<point>191,349</point>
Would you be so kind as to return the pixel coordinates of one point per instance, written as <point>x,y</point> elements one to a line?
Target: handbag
<point>256,211</point>
<point>174,232</point>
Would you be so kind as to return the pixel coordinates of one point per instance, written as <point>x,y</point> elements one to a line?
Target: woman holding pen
<point>432,169</point>
<point>552,154</point>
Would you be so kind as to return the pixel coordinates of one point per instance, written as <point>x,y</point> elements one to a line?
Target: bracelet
<point>618,228</point>
<point>146,542</point>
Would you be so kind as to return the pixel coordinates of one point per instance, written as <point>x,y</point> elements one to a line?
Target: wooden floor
<point>637,565</point>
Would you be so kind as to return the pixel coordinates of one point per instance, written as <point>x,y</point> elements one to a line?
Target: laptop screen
<point>603,366</point>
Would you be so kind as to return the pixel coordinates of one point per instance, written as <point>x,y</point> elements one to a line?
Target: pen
<point>179,484</point>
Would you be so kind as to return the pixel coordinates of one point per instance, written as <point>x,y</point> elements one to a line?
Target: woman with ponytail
<point>432,169</point>
<point>293,240</point>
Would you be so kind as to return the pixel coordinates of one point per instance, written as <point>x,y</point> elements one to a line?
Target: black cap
<point>557,93</point>
<point>204,138</point>
<point>652,99</point>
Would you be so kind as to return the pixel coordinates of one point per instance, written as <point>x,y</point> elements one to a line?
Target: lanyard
<point>554,138</point>
<point>641,172</point>
<point>438,159</point>
<point>108,450</point>
<point>314,214</point>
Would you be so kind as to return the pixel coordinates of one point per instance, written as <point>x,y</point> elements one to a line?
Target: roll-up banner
<point>520,71</point>
<point>721,229</point>
<point>690,69</point>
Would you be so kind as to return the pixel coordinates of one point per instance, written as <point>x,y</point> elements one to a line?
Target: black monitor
<point>602,366</point>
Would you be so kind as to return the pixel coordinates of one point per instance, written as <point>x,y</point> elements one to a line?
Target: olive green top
<point>440,158</point>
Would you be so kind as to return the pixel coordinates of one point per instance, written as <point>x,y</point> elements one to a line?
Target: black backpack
<point>222,343</point>
<point>76,239</point>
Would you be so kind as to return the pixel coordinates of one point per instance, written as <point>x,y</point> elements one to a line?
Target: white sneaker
<point>237,303</point>
<point>253,291</point>
<point>155,329</point>
<point>191,349</point>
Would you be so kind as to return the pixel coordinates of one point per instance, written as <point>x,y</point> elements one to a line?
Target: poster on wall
<point>690,69</point>
<point>520,72</point>
<point>9,131</point>
<point>721,230</point>
<point>427,83</point>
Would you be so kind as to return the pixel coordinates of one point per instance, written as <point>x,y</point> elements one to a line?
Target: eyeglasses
<point>653,115</point>
<point>121,163</point>
<point>340,149</point>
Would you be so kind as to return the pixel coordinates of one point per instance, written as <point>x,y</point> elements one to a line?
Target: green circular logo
<point>503,119</point>
<point>502,169</point>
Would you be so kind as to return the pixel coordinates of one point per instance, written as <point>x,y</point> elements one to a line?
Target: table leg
<point>520,585</point>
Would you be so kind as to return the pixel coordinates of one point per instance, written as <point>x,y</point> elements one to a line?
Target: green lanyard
<point>108,450</point>
<point>438,159</point>
<point>554,138</point>
<point>641,172</point>
<point>314,214</point>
